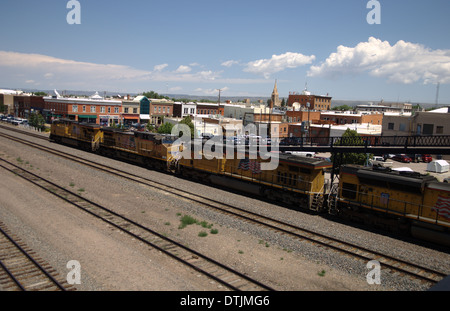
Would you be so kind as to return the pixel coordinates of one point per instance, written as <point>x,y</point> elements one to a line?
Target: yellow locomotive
<point>297,180</point>
<point>155,151</point>
<point>82,135</point>
<point>152,150</point>
<point>404,201</point>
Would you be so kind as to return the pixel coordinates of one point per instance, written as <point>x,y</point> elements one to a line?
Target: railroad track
<point>229,278</point>
<point>22,270</point>
<point>389,264</point>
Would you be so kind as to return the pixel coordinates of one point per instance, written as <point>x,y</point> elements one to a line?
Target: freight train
<point>410,203</point>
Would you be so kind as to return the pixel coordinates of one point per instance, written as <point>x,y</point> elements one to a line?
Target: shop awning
<point>87,117</point>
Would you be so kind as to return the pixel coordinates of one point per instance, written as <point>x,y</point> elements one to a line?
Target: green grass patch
<point>187,220</point>
<point>202,234</point>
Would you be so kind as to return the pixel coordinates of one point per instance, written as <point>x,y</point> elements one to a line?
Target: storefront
<point>109,120</point>
<point>87,118</point>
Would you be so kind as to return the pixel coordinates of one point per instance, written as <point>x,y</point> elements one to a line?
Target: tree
<point>154,95</point>
<point>343,108</point>
<point>150,127</point>
<point>166,128</point>
<point>37,120</point>
<point>351,138</point>
<point>187,120</point>
<point>40,94</point>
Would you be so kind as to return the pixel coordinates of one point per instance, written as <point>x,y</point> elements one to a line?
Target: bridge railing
<point>371,141</point>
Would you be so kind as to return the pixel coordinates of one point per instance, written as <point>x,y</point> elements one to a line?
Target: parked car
<point>380,162</point>
<point>388,156</point>
<point>426,158</point>
<point>402,158</point>
<point>447,180</point>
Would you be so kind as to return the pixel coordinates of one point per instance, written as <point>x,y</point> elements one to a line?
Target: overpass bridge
<point>433,144</point>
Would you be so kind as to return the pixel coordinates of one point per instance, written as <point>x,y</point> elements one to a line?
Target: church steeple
<point>275,99</point>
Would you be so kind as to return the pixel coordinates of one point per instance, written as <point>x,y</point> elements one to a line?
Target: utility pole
<point>220,90</point>
<point>437,93</point>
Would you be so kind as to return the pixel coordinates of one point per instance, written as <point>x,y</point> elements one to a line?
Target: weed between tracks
<point>187,220</point>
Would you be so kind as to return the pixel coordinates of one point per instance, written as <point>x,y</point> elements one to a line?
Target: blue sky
<point>196,47</point>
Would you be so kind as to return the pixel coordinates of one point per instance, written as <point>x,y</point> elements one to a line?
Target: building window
<point>390,126</point>
<point>93,109</point>
<point>84,108</point>
<point>116,109</point>
<point>168,109</point>
<point>109,109</point>
<point>402,127</point>
<point>102,109</point>
<point>439,130</point>
<point>125,110</point>
<point>428,129</point>
<point>134,110</point>
<point>75,108</point>
<point>186,110</point>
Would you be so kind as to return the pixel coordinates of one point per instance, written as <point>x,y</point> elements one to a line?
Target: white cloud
<point>403,62</point>
<point>160,67</point>
<point>278,63</point>
<point>183,69</point>
<point>63,73</point>
<point>230,63</point>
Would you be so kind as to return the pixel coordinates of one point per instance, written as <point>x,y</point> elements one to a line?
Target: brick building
<point>318,103</point>
<point>298,116</point>
<point>160,109</point>
<point>98,111</point>
<point>351,117</point>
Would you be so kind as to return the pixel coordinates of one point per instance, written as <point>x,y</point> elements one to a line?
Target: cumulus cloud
<point>403,62</point>
<point>278,63</point>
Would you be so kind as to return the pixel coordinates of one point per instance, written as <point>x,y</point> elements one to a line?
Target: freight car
<point>396,201</point>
